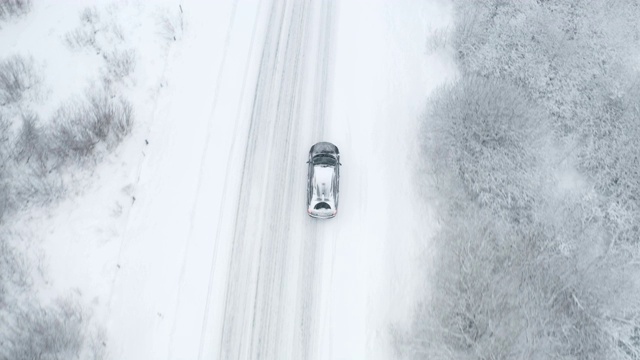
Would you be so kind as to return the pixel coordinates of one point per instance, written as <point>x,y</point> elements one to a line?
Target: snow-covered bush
<point>484,302</point>
<point>32,160</point>
<point>609,155</point>
<point>17,75</point>
<point>578,62</point>
<point>38,156</point>
<point>52,332</point>
<point>483,137</point>
<point>9,8</point>
<point>5,156</point>
<point>566,56</point>
<point>5,200</point>
<point>524,268</point>
<point>504,290</point>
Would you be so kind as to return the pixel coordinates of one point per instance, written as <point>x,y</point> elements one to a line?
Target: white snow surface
<point>197,245</point>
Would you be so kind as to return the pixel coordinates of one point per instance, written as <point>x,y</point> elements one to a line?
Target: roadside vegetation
<point>535,158</point>
<point>12,8</point>
<point>39,160</point>
<point>44,157</point>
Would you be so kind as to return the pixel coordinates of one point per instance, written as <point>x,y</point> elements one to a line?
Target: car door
<point>309,181</point>
<point>336,184</point>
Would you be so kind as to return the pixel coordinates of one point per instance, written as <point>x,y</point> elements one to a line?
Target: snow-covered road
<point>216,257</point>
<point>272,283</point>
<point>297,287</point>
<point>250,269</point>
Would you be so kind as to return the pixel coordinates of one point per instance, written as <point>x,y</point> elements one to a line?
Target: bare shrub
<point>30,187</point>
<point>78,128</point>
<point>29,180</point>
<point>81,37</point>
<point>90,16</point>
<point>84,36</point>
<point>120,63</point>
<point>112,118</point>
<point>17,75</point>
<point>52,332</point>
<point>171,24</point>
<point>116,30</point>
<point>9,8</point>
<point>79,134</point>
<point>31,145</point>
<point>71,136</point>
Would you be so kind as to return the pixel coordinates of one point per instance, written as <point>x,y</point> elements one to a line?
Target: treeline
<point>534,155</point>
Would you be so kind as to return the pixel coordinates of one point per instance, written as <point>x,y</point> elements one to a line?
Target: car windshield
<point>323,159</point>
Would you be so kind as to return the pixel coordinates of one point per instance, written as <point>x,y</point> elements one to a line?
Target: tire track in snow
<point>209,130</point>
<point>270,273</point>
<point>246,321</point>
<point>211,288</point>
<point>309,282</point>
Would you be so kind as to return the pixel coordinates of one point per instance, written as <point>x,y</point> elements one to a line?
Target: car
<point>323,180</point>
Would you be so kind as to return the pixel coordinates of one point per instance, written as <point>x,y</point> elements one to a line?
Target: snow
<point>382,80</point>
<point>40,34</point>
<point>150,239</point>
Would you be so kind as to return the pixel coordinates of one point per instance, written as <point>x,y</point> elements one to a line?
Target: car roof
<point>323,180</point>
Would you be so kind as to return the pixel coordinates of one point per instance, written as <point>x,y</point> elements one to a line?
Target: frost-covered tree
<point>483,137</point>
<point>524,267</point>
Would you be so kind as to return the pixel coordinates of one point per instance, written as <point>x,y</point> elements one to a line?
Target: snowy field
<point>153,175</point>
<point>189,239</point>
